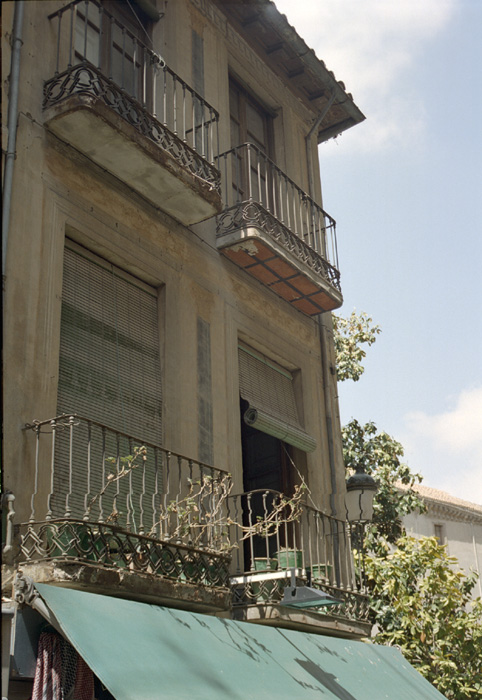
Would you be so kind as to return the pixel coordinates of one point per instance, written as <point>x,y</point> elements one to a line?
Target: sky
<point>405,188</point>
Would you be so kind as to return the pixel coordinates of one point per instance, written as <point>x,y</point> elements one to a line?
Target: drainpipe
<point>324,329</point>
<point>328,370</point>
<point>322,115</point>
<point>12,124</point>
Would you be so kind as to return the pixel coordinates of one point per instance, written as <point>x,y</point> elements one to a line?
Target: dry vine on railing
<point>200,518</point>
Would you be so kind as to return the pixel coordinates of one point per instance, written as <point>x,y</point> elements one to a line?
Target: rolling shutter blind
<point>265,386</point>
<point>272,405</point>
<point>109,367</point>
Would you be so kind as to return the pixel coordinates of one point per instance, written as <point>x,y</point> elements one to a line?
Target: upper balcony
<point>276,232</point>
<point>117,102</point>
<point>113,514</point>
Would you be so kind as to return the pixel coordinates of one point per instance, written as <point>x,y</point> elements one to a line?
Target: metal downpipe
<point>12,125</point>
<point>309,157</point>
<point>323,330</point>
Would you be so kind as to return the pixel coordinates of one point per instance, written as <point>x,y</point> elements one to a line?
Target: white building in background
<point>456,523</point>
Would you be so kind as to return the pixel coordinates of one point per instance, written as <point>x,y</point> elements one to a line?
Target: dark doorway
<point>265,469</point>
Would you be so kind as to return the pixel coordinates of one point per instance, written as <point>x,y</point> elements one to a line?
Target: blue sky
<point>405,188</point>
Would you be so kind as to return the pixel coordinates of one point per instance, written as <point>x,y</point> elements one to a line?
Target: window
<point>250,123</point>
<point>439,533</point>
<point>269,391</point>
<point>109,347</point>
<point>109,368</point>
<point>112,38</point>
<point>270,428</point>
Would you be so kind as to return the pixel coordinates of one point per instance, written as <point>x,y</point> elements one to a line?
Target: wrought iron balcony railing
<point>258,193</point>
<point>272,543</point>
<point>119,502</point>
<point>107,499</point>
<point>97,55</point>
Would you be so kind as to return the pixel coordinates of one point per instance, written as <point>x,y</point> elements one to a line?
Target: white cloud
<point>371,45</point>
<point>447,447</point>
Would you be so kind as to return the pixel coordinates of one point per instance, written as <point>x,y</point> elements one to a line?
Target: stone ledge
<point>131,585</point>
<point>302,621</point>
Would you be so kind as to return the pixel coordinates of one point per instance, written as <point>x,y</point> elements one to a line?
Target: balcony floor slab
<point>128,584</point>
<point>283,271</point>
<point>93,128</point>
<point>302,621</point>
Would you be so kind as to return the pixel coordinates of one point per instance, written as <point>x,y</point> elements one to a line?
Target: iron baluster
<point>238,178</point>
<point>117,469</point>
<point>52,472</point>
<point>164,96</point>
<point>134,68</point>
<point>178,493</point>
<point>250,526</point>
<point>155,494</point>
<point>203,135</point>
<point>167,490</point>
<point>155,75</point>
<point>266,529</point>
<point>103,477</point>
<point>130,523</point>
<point>193,122</point>
<point>144,78</point>
<point>123,59</point>
<point>101,35</point>
<point>89,455</point>
<point>250,189</point>
<point>258,173</point>
<point>210,136</point>
<point>59,31</point>
<point>111,48</point>
<point>184,112</point>
<point>73,12</point>
<point>35,488</point>
<point>86,25</point>
<point>190,488</point>
<point>174,105</point>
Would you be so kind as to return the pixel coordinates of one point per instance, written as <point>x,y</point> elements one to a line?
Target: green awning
<point>147,652</point>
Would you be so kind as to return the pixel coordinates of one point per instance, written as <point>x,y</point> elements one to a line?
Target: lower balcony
<point>277,233</point>
<point>117,102</point>
<point>283,543</point>
<point>113,514</point>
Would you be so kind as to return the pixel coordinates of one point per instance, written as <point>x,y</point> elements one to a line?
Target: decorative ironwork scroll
<point>111,547</point>
<point>85,79</point>
<point>254,214</point>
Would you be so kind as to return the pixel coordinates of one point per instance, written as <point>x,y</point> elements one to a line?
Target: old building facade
<point>170,416</point>
<point>457,524</point>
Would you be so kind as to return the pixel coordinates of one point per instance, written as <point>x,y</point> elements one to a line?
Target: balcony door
<point>113,37</point>
<point>265,469</point>
<point>250,123</point>
<point>265,460</point>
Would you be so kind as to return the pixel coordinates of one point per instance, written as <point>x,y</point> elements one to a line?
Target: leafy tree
<point>421,602</point>
<point>349,335</point>
<point>364,445</point>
